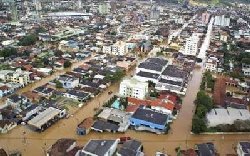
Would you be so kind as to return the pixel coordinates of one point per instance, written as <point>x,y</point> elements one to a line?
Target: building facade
<point>133,88</point>
<point>192,45</point>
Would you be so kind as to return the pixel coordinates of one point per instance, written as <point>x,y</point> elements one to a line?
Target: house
<point>151,120</point>
<point>99,148</point>
<point>152,65</point>
<point>68,82</point>
<point>85,126</point>
<point>30,112</point>
<point>32,96</point>
<point>16,100</point>
<point>68,46</point>
<point>206,149</point>
<point>160,104</point>
<point>119,48</point>
<point>116,116</point>
<point>243,148</point>
<point>5,90</point>
<point>77,95</point>
<point>133,88</point>
<point>131,148</point>
<point>101,126</point>
<point>44,91</point>
<point>61,147</point>
<point>7,125</point>
<point>246,66</point>
<point>211,64</point>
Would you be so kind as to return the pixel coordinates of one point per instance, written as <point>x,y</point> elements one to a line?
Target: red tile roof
<point>165,103</point>
<point>4,87</point>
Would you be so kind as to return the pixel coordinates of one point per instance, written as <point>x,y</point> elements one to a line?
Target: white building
<point>17,76</point>
<point>246,69</point>
<point>192,45</point>
<point>243,148</point>
<point>224,116</point>
<point>133,88</point>
<point>119,48</point>
<point>211,64</point>
<point>222,21</point>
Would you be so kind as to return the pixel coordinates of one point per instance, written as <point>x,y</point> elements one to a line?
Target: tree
<point>201,111</point>
<point>204,99</point>
<point>58,84</point>
<point>7,52</point>
<point>28,40</point>
<point>198,125</point>
<point>67,64</point>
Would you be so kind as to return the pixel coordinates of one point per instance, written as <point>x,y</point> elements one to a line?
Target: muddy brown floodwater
<point>32,143</point>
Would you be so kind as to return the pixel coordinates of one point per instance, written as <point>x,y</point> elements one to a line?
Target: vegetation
<point>7,52</point>
<point>115,77</point>
<point>67,64</point>
<point>110,101</point>
<point>203,105</point>
<point>237,126</point>
<point>28,40</point>
<point>58,84</point>
<point>207,81</point>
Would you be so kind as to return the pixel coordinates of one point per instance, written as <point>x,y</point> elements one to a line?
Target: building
<point>222,21</point>
<point>17,76</point>
<point>120,48</point>
<point>206,149</point>
<point>224,116</point>
<point>243,148</point>
<point>150,69</point>
<point>77,95</point>
<point>68,46</point>
<point>205,17</point>
<point>85,126</point>
<point>45,118</point>
<point>16,100</point>
<point>103,8</point>
<point>99,148</point>
<point>155,13</point>
<point>163,105</point>
<point>150,120</point>
<point>246,67</point>
<point>131,148</point>
<point>133,88</point>
<point>211,64</point>
<point>7,125</point>
<point>192,45</point>
<point>68,82</point>
<point>61,147</point>
<point>173,79</point>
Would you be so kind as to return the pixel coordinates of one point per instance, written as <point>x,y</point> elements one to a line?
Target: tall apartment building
<point>17,76</point>
<point>119,48</point>
<point>192,45</point>
<point>222,21</point>
<point>133,88</point>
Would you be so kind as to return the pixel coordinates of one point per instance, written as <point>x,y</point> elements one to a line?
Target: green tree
<point>204,99</point>
<point>198,125</point>
<point>201,111</point>
<point>59,84</point>
<point>67,64</point>
<point>28,40</point>
<point>7,52</point>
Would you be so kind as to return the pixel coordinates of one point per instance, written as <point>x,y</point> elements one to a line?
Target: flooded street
<point>32,143</point>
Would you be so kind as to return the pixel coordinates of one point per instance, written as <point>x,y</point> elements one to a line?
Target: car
<point>123,139</point>
<point>110,92</point>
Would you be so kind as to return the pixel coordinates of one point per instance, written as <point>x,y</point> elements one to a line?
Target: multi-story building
<point>133,88</point>
<point>222,21</point>
<point>17,76</point>
<point>119,48</point>
<point>246,68</point>
<point>192,45</point>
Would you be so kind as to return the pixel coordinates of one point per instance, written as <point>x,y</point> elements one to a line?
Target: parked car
<point>110,92</point>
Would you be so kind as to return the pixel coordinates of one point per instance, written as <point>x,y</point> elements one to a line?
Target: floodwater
<point>31,143</point>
